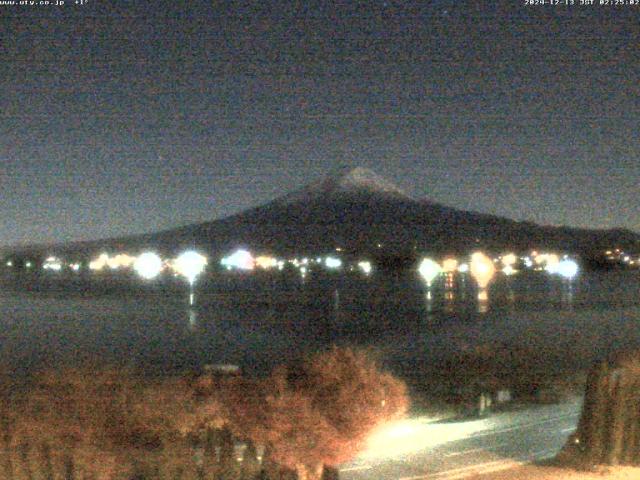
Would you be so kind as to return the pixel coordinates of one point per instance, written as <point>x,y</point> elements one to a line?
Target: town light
<point>332,262</point>
<point>120,260</point>
<point>509,260</point>
<point>365,267</point>
<point>482,270</point>
<point>52,263</point>
<point>99,263</point>
<point>449,265</point>
<point>240,259</point>
<point>551,261</point>
<point>190,264</point>
<point>148,265</point>
<point>567,269</point>
<point>429,270</point>
<point>266,262</point>
<point>508,270</point>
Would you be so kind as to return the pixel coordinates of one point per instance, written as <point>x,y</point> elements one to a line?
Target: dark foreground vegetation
<point>113,424</point>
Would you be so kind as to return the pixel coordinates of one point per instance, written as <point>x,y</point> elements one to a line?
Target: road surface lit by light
<point>412,435</point>
<point>422,449</point>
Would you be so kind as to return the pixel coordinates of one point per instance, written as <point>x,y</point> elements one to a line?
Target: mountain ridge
<point>357,210</point>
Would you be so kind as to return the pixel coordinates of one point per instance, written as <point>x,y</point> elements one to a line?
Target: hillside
<point>358,210</point>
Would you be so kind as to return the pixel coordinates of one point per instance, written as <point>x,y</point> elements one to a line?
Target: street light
<point>429,270</point>
<point>148,265</point>
<point>482,270</point>
<point>190,264</point>
<point>567,269</point>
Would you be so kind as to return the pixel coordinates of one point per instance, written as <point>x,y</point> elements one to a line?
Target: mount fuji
<point>363,213</point>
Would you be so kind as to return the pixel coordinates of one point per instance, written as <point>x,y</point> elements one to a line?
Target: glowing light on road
<point>332,263</point>
<point>429,270</point>
<point>75,267</point>
<point>463,268</point>
<point>240,259</point>
<point>148,265</point>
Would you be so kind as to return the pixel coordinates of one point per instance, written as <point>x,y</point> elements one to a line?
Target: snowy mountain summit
<point>356,181</point>
<point>364,179</point>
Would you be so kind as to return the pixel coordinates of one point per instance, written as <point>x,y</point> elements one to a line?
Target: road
<point>418,448</point>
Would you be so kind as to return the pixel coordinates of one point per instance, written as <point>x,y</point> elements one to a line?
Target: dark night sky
<point>124,117</point>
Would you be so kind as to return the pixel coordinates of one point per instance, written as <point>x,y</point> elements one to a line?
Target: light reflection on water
<point>257,327</point>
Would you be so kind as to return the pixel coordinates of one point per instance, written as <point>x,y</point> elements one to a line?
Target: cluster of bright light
<point>75,267</point>
<point>332,263</point>
<point>122,260</point>
<point>365,267</point>
<point>549,261</point>
<point>9,263</point>
<point>148,265</point>
<point>429,270</point>
<point>463,268</point>
<point>618,255</point>
<point>99,263</point>
<point>449,265</point>
<point>567,268</point>
<point>482,269</point>
<point>52,263</point>
<point>509,260</point>
<point>190,264</point>
<point>297,262</point>
<point>508,270</point>
<point>240,259</point>
<point>266,262</point>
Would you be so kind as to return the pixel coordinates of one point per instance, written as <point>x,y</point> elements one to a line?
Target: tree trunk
<point>609,427</point>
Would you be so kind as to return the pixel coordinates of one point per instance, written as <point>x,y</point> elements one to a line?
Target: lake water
<point>258,322</point>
